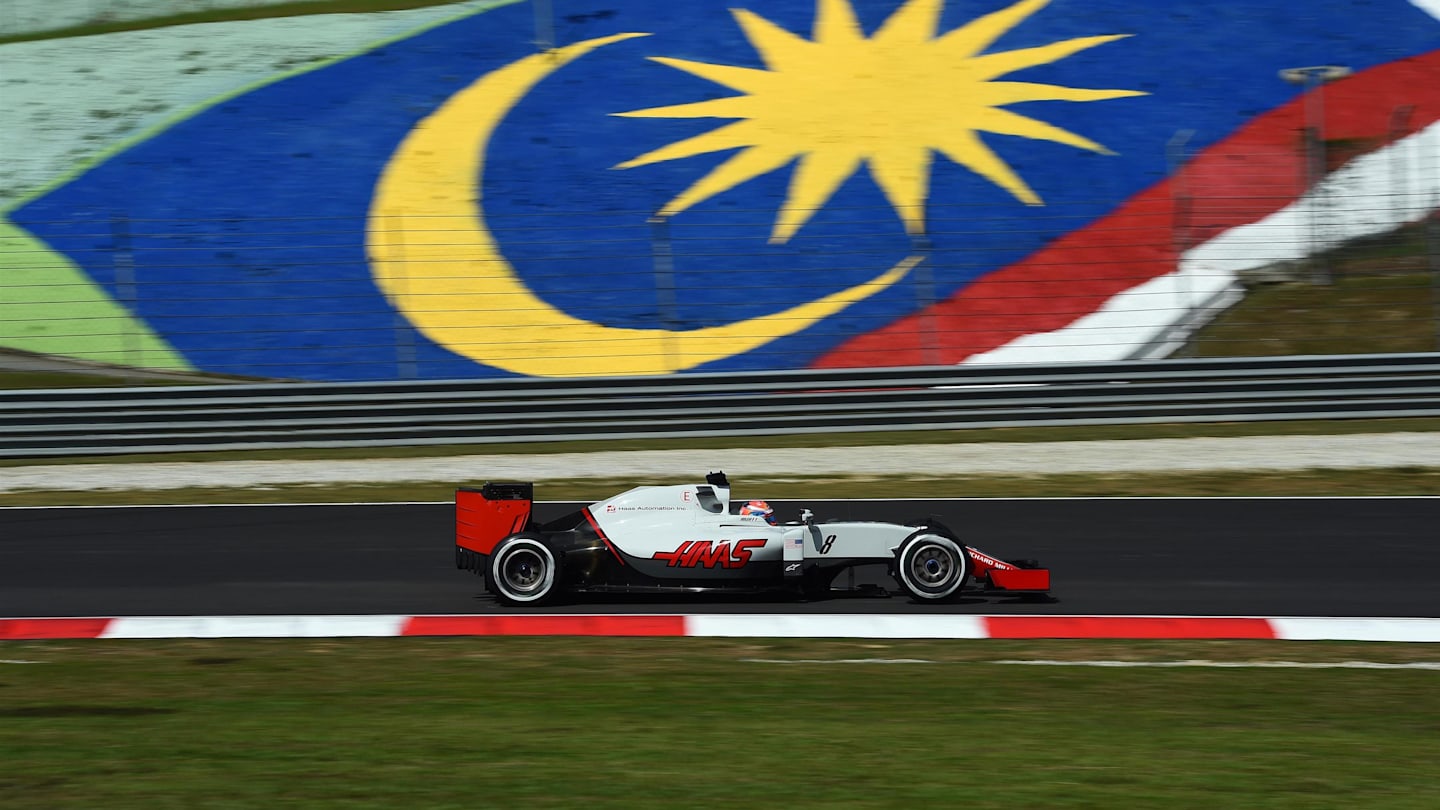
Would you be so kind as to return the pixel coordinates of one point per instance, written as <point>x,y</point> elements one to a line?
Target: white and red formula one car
<point>690,538</point>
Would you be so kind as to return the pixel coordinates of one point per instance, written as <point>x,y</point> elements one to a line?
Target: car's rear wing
<point>491,513</point>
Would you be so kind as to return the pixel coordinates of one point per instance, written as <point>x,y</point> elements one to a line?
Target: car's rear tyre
<point>931,567</point>
<point>524,570</point>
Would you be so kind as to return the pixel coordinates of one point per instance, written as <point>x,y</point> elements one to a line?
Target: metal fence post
<point>1399,187</point>
<point>1431,162</point>
<point>663,253</point>
<point>926,297</point>
<point>406,364</point>
<point>1175,157</point>
<point>1313,79</point>
<point>123,260</point>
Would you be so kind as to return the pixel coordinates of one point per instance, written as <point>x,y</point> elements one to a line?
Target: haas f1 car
<point>690,538</point>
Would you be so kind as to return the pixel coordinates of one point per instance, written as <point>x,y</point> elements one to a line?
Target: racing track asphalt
<point>1213,556</point>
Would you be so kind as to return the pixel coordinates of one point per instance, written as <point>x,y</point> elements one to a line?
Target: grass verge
<point>1384,296</point>
<point>642,723</point>
<point>1354,315</point>
<point>118,377</point>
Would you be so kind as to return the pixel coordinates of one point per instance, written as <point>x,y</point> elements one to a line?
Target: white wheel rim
<point>932,561</point>
<point>524,571</point>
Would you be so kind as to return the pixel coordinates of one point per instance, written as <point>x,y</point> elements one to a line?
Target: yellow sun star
<point>888,101</point>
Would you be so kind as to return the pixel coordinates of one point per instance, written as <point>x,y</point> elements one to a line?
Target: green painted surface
<point>48,305</point>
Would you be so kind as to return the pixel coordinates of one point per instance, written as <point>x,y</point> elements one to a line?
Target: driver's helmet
<point>760,508</point>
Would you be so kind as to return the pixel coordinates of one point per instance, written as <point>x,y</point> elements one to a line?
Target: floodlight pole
<point>1313,79</point>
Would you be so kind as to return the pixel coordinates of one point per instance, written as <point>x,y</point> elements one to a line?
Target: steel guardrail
<point>110,421</point>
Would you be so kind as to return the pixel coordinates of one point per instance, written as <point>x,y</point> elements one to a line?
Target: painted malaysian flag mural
<point>679,187</point>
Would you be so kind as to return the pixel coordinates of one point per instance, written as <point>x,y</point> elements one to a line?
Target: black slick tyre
<point>524,571</point>
<point>931,567</point>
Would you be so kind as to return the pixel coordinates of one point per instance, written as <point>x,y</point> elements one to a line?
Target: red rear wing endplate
<point>489,514</point>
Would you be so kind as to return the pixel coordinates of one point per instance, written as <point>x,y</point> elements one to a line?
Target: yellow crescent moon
<point>435,260</point>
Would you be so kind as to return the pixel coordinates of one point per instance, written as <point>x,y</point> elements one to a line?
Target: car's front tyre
<point>931,567</point>
<point>524,570</point>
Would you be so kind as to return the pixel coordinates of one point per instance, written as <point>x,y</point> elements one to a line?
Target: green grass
<point>1385,298</point>
<point>1355,315</point>
<point>23,380</point>
<point>30,380</point>
<point>637,723</point>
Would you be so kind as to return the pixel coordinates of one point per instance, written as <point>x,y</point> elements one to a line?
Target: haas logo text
<point>708,554</point>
